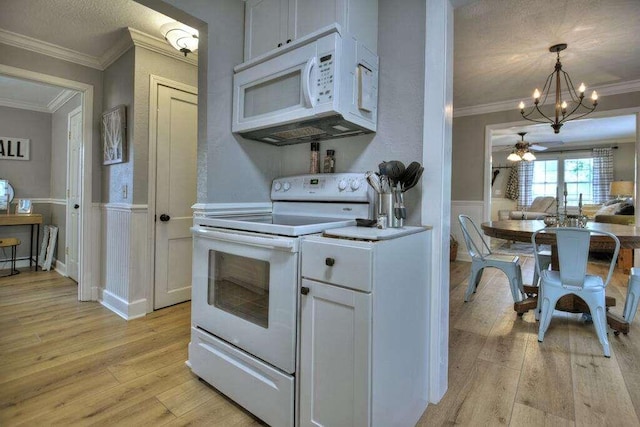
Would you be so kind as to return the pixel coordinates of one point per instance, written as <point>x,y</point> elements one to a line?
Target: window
<point>551,174</point>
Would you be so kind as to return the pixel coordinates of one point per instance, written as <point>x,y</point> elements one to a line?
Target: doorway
<point>173,139</point>
<point>87,291</point>
<point>74,193</point>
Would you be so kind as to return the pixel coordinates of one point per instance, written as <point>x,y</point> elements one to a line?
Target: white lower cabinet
<point>363,331</point>
<point>335,356</point>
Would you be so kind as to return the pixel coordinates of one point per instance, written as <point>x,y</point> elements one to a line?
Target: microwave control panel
<point>326,68</point>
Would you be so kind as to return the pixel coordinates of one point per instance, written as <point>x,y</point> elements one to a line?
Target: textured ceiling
<point>501,47</point>
<point>500,52</point>
<point>87,26</point>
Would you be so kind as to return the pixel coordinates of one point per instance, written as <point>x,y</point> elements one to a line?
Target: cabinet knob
<point>279,44</point>
<point>164,217</point>
<point>288,40</point>
<point>329,262</point>
<point>304,290</point>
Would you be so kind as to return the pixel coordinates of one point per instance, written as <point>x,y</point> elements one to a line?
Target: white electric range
<point>246,274</point>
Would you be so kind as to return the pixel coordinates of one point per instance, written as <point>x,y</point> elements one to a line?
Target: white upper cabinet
<point>270,24</point>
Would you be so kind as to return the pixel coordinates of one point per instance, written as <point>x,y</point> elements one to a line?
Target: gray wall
<point>118,89</point>
<point>468,144</point>
<point>30,179</point>
<point>232,169</point>
<point>146,64</point>
<point>31,61</point>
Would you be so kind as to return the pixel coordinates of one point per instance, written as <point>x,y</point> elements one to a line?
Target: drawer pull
<point>304,290</point>
<point>329,262</point>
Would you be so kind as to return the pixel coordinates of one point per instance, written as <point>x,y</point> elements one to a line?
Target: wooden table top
<point>521,231</point>
<point>20,219</point>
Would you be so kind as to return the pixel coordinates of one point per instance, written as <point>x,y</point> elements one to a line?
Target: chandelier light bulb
<point>594,96</point>
<point>582,88</point>
<point>536,94</point>
<point>521,105</point>
<point>564,105</point>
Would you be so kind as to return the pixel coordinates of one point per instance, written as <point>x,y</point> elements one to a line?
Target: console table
<point>26,219</point>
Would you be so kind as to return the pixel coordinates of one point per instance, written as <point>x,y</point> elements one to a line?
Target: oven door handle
<point>288,245</point>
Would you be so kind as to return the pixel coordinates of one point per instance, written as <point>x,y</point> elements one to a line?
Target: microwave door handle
<point>309,99</point>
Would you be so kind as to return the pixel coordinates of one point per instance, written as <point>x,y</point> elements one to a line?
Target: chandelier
<point>562,112</point>
<point>521,151</point>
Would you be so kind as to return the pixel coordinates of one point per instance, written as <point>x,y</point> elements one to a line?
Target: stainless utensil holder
<point>385,207</point>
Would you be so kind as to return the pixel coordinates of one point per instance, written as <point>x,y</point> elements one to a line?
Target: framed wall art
<point>114,135</point>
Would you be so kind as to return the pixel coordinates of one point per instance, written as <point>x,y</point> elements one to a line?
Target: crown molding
<point>11,103</point>
<point>158,45</point>
<point>116,51</point>
<point>49,49</point>
<point>60,100</point>
<point>604,90</point>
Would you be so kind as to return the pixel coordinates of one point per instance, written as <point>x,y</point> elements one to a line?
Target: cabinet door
<point>335,356</point>
<point>266,24</point>
<point>311,15</point>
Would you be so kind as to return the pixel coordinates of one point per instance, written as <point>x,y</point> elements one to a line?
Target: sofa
<point>619,212</point>
<point>539,208</point>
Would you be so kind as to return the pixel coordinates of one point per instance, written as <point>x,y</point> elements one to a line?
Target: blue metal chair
<point>482,257</point>
<point>633,294</point>
<point>573,256</point>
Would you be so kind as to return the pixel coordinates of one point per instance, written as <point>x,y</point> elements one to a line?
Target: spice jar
<point>314,167</point>
<point>329,162</point>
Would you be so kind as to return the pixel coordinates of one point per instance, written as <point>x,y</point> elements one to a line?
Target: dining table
<point>522,230</point>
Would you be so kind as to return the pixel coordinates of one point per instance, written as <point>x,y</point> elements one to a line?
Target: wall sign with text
<point>14,148</point>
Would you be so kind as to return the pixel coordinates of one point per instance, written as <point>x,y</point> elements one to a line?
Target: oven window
<point>239,286</point>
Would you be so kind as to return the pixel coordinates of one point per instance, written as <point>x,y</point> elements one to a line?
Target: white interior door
<point>175,194</point>
<point>73,192</point>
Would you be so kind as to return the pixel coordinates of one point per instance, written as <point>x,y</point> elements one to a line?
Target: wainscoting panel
<point>125,259</point>
<point>475,210</point>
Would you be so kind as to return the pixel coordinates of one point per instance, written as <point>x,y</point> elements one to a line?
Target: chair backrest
<point>573,253</point>
<point>470,237</point>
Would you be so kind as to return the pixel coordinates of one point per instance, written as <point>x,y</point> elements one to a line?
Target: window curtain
<point>602,174</point>
<point>525,179</point>
<point>512,184</point>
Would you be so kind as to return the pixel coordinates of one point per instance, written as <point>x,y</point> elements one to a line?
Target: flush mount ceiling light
<point>521,151</point>
<point>575,101</point>
<point>181,37</point>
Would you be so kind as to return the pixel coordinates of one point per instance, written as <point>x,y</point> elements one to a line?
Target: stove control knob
<point>277,186</point>
<point>342,185</point>
<point>355,184</point>
<point>286,186</point>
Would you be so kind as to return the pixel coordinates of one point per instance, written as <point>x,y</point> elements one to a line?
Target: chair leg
<point>633,295</point>
<point>600,322</point>
<point>474,280</point>
<point>515,281</point>
<point>548,305</point>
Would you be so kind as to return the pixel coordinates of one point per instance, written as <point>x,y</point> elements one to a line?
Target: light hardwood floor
<point>64,362</point>
<point>499,374</point>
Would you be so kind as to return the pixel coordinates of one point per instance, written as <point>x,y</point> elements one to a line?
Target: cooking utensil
<point>413,179</point>
<point>399,211</point>
<point>409,171</point>
<point>374,181</point>
<point>393,169</point>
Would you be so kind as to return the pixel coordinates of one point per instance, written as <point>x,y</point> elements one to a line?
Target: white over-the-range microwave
<point>321,86</point>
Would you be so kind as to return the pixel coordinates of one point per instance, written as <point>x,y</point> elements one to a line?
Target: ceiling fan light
<point>528,156</point>
<point>514,157</point>
<point>181,37</point>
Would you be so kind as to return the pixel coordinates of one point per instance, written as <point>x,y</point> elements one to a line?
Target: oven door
<point>244,291</point>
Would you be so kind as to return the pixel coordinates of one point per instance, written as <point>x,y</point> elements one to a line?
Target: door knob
<point>76,206</point>
<point>164,217</point>
<point>304,290</point>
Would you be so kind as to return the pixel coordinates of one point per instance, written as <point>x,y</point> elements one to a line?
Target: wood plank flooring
<point>499,374</point>
<point>64,362</point>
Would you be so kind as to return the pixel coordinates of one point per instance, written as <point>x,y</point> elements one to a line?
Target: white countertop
<point>372,233</point>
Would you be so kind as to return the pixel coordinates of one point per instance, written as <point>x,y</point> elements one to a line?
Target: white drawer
<point>337,263</point>
<point>259,388</point>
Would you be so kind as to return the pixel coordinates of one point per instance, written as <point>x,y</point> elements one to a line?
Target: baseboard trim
<point>128,311</point>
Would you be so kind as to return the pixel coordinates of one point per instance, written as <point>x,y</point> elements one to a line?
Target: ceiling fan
<point>523,149</point>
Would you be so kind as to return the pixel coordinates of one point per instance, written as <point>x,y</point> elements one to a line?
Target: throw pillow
<point>626,209</point>
<point>609,209</point>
